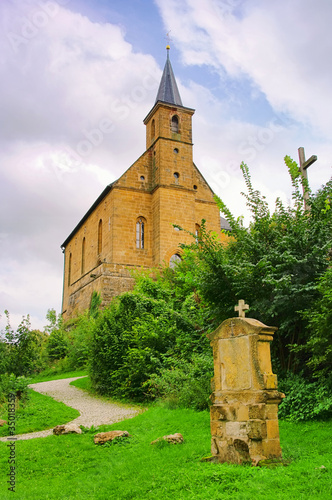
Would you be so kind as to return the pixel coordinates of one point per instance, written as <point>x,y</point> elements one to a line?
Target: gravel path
<point>93,411</point>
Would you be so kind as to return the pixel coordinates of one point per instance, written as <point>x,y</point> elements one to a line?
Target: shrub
<point>137,336</point>
<point>186,384</point>
<point>3,357</point>
<point>304,400</point>
<point>57,345</point>
<point>24,348</point>
<point>11,383</point>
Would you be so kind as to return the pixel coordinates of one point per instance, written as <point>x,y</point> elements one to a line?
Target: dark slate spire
<point>168,89</point>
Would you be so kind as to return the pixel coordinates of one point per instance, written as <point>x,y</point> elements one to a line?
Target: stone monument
<point>244,413</point>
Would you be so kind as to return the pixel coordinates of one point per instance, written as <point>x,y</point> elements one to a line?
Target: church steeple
<point>168,90</point>
<point>169,119</point>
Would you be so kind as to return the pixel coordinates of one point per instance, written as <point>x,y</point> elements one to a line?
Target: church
<point>130,225</point>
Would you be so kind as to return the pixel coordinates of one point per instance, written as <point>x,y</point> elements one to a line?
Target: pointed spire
<point>168,89</point>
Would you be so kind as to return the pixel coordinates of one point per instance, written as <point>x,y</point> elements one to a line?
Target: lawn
<point>38,413</point>
<point>52,374</point>
<point>72,467</point>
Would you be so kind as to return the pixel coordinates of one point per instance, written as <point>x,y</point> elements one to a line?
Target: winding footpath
<point>93,411</point>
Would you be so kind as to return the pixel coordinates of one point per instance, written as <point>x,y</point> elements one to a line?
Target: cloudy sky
<point>258,74</point>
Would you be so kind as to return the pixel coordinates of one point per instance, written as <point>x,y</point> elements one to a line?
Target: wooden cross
<point>169,39</point>
<point>304,164</point>
<point>241,307</point>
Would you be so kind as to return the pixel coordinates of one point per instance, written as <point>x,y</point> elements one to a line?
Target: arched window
<point>69,269</point>
<point>100,236</point>
<point>174,260</point>
<point>153,129</point>
<point>197,231</point>
<point>175,124</point>
<point>83,257</point>
<point>140,232</point>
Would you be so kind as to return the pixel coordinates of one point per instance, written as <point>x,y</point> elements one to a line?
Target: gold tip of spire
<point>167,47</point>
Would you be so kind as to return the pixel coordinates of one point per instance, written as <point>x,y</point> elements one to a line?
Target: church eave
<point>200,173</point>
<point>88,213</point>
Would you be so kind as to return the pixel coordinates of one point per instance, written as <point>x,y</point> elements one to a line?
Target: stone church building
<point>130,225</point>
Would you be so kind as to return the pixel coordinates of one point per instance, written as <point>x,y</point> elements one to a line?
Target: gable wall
<point>160,198</point>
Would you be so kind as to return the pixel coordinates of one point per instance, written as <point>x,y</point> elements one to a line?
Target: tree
<point>24,348</point>
<point>319,344</point>
<point>274,264</point>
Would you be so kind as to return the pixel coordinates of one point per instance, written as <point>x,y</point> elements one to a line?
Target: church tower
<point>131,223</point>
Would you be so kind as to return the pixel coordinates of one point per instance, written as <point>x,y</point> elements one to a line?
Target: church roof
<point>168,89</point>
<point>89,212</point>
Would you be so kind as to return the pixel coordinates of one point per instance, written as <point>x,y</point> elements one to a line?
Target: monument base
<point>246,432</point>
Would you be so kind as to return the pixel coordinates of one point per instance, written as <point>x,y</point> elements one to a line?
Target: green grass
<point>84,384</point>
<point>51,374</point>
<point>40,412</point>
<point>72,467</point>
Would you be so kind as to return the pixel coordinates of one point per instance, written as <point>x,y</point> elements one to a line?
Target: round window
<point>176,175</point>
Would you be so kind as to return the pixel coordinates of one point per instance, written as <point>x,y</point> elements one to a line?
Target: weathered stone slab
<point>104,437</point>
<point>176,438</point>
<point>67,429</point>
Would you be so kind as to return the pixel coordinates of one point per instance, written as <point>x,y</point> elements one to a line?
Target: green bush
<point>304,400</point>
<point>68,343</point>
<point>12,384</point>
<point>24,349</point>
<point>3,357</point>
<point>186,384</point>
<point>57,345</point>
<point>137,336</point>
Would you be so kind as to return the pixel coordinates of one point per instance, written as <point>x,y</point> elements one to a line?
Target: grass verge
<point>72,467</point>
<point>39,412</point>
<point>49,374</point>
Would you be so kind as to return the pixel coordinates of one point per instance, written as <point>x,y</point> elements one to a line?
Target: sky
<point>256,72</point>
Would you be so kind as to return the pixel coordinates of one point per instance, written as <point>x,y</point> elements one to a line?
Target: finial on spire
<point>168,38</point>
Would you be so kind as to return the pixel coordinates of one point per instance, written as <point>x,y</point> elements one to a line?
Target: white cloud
<point>283,47</point>
<point>72,95</point>
<point>281,50</point>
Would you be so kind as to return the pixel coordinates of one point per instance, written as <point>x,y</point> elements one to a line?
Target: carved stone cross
<point>241,307</point>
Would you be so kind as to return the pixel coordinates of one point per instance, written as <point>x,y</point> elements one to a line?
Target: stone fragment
<point>176,438</point>
<point>2,422</point>
<point>104,437</point>
<point>67,429</point>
